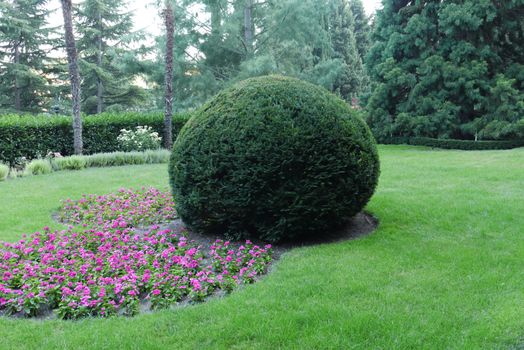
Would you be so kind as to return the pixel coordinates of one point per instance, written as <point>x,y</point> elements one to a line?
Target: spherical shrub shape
<point>273,158</point>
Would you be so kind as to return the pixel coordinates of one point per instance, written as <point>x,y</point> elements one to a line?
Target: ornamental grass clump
<point>4,171</point>
<point>113,267</point>
<point>273,158</point>
<point>39,167</point>
<point>69,163</point>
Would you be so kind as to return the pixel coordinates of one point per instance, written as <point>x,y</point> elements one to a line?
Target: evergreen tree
<point>25,39</point>
<point>447,69</point>
<point>362,28</point>
<point>235,40</point>
<point>105,35</point>
<point>342,31</point>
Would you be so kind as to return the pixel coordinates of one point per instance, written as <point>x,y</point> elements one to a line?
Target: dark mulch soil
<point>360,225</point>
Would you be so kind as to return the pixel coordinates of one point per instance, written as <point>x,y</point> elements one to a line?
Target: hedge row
<point>467,145</point>
<point>35,136</point>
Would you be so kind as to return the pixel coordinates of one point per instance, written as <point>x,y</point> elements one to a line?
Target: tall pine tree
<point>362,28</point>
<point>25,41</point>
<point>352,79</point>
<point>105,36</point>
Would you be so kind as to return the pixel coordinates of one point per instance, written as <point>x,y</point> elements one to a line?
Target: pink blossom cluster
<point>135,208</point>
<point>112,269</point>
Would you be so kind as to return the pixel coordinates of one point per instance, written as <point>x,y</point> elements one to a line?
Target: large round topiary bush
<point>273,158</point>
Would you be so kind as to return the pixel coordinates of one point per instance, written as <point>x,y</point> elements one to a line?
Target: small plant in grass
<point>4,171</point>
<point>141,139</point>
<point>38,167</point>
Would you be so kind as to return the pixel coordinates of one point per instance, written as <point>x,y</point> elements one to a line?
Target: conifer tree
<point>25,35</point>
<point>447,69</point>
<point>105,34</point>
<point>352,80</point>
<point>362,28</point>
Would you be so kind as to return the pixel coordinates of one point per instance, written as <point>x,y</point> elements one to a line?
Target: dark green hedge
<point>34,136</point>
<point>455,144</point>
<point>273,158</point>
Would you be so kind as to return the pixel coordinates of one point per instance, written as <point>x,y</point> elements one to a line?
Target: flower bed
<point>112,268</point>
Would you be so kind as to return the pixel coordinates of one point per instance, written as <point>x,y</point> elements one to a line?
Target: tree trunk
<point>168,114</point>
<point>74,75</point>
<point>100,84</point>
<point>248,26</point>
<point>18,90</point>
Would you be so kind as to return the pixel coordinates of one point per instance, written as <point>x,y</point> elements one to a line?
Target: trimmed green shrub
<point>467,145</point>
<point>34,136</point>
<point>69,163</point>
<point>273,158</point>
<point>4,171</point>
<point>38,167</point>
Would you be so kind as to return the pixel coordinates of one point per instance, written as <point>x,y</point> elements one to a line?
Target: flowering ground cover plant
<point>115,265</point>
<point>136,208</point>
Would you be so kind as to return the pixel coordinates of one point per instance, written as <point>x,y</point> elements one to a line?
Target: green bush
<point>467,145</point>
<point>273,158</point>
<point>143,138</point>
<point>69,163</point>
<point>34,136</point>
<point>38,167</point>
<point>4,171</point>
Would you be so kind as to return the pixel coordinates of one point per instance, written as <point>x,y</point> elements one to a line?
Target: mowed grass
<point>445,269</point>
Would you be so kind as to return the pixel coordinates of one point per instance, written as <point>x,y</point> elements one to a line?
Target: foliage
<point>38,167</point>
<point>97,160</point>
<point>352,82</point>
<point>141,139</point>
<point>26,70</point>
<point>312,40</point>
<point>69,163</point>
<point>106,37</point>
<point>447,69</point>
<point>35,136</point>
<point>275,158</point>
<point>128,158</point>
<point>455,144</point>
<point>4,171</point>
<point>109,269</point>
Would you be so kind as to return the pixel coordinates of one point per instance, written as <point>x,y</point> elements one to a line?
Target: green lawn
<point>445,269</point>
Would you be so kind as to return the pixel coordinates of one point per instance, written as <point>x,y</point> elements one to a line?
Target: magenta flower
<point>105,269</point>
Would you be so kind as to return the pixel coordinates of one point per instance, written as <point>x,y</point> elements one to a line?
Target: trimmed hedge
<point>467,145</point>
<point>34,136</point>
<point>273,158</point>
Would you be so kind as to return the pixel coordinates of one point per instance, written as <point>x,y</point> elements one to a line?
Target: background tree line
<point>449,69</point>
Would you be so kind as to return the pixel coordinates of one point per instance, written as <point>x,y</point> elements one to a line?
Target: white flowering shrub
<point>141,139</point>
